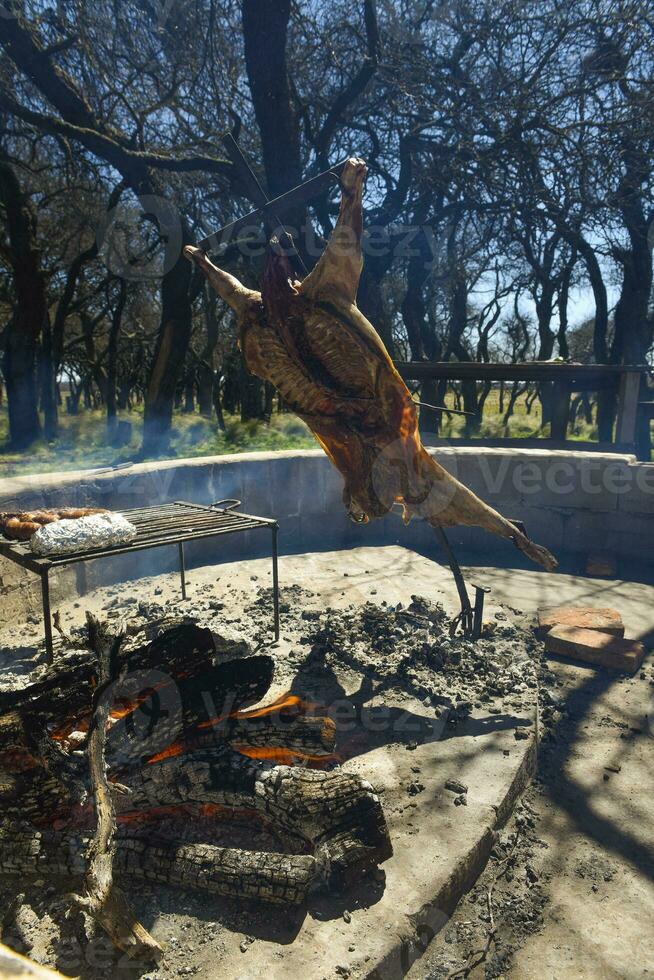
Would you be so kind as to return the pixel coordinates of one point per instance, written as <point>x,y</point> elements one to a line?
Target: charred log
<point>278,878</point>
<point>199,724</point>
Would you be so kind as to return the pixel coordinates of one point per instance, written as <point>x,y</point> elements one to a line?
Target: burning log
<point>182,737</point>
<point>336,813</point>
<point>284,879</point>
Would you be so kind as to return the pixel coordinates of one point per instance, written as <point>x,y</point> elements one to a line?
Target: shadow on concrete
<point>574,799</point>
<point>363,726</point>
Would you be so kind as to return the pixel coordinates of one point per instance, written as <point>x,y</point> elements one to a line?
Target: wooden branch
<point>78,119</point>
<point>127,161</point>
<point>355,87</point>
<point>14,965</point>
<point>103,900</point>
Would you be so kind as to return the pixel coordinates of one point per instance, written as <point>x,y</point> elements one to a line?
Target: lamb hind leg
<point>339,267</point>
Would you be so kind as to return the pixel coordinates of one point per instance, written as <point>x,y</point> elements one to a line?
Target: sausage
<point>20,530</point>
<point>22,525</point>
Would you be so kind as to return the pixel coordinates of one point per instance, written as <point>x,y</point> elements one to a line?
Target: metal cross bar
<point>267,208</point>
<point>444,408</point>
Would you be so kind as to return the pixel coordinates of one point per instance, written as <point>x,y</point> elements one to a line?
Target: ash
<point>401,649</point>
<point>410,649</point>
<point>362,654</point>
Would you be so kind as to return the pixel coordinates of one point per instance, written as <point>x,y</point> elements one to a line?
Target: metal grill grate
<point>166,524</point>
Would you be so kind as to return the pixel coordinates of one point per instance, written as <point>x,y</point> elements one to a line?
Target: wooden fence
<point>626,381</point>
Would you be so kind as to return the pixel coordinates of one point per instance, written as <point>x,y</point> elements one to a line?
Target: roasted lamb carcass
<point>330,366</point>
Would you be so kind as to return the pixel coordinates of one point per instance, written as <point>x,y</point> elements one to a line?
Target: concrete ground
<point>581,818</point>
<point>596,825</point>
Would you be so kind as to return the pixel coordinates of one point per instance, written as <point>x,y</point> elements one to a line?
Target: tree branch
<point>355,87</point>
<point>103,900</point>
<point>78,119</point>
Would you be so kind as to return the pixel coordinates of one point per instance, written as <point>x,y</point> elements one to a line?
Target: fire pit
<point>361,694</point>
<point>181,739</point>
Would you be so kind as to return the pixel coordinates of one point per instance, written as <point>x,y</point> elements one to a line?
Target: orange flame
<point>286,757</point>
<point>278,755</point>
<point>283,701</point>
<point>172,750</point>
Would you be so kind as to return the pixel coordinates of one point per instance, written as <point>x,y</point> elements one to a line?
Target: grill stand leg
<point>47,619</point>
<point>182,568</point>
<point>480,593</point>
<point>275,578</point>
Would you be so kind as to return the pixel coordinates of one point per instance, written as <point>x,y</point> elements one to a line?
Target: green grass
<point>521,425</point>
<point>82,443</point>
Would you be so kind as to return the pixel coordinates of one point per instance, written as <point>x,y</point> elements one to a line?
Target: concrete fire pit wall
<point>571,502</point>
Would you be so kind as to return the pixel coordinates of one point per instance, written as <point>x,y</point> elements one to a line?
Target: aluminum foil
<point>82,534</point>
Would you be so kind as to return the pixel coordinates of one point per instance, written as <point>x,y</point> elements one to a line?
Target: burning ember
<point>283,711</point>
<point>187,752</point>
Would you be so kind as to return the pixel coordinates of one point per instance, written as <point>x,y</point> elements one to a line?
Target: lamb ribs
<point>310,340</point>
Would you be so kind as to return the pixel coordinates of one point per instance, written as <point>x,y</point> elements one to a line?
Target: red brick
<point>584,617</point>
<point>594,647</point>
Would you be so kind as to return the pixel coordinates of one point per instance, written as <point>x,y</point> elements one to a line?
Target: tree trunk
<point>169,356</point>
<point>633,334</point>
<point>206,363</point>
<point>430,418</point>
<point>112,355</point>
<point>252,397</point>
<point>123,399</point>
<point>371,303</point>
<point>265,28</point>
<point>218,408</point>
<point>48,382</point>
<point>564,293</point>
<point>458,322</point>
<point>189,391</point>
<point>544,305</point>
<point>633,331</point>
<point>19,369</point>
<point>26,325</point>
<point>205,390</point>
<point>516,391</point>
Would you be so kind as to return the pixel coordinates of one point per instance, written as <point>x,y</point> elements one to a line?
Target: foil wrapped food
<point>66,537</point>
